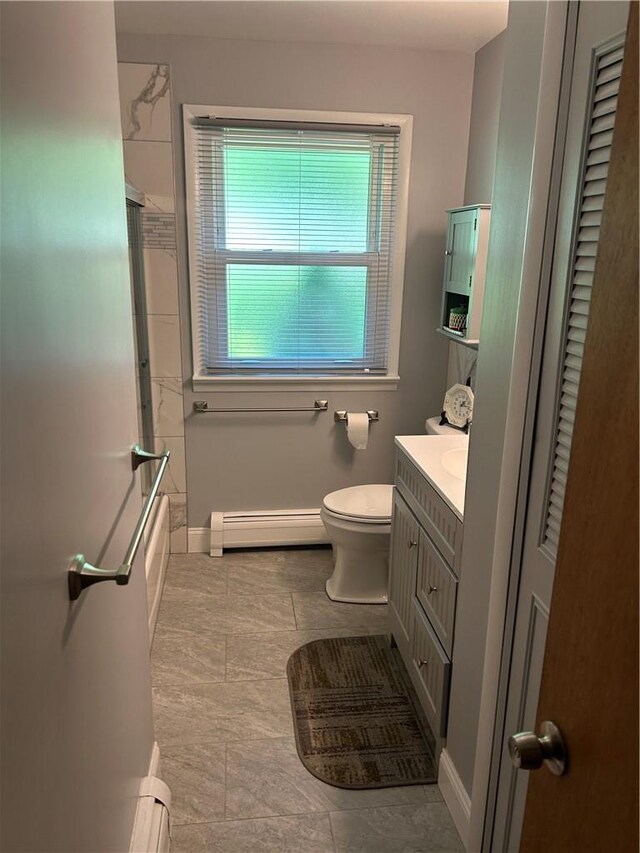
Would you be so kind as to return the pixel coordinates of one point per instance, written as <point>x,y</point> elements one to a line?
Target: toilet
<point>358,524</point>
<point>433,426</point>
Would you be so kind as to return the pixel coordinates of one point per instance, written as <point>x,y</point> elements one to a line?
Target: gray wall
<point>289,461</point>
<point>485,112</point>
<point>507,287</point>
<point>481,158</point>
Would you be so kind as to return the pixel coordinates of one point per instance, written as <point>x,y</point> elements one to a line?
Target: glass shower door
<point>141,337</point>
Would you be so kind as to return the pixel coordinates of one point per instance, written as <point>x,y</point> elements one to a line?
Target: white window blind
<point>599,135</point>
<point>293,243</point>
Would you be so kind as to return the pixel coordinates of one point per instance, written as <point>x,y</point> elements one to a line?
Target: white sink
<point>455,462</point>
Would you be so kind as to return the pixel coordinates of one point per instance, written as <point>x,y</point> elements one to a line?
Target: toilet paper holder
<point>342,415</point>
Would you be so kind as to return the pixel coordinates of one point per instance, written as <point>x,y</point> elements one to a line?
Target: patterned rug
<point>357,719</point>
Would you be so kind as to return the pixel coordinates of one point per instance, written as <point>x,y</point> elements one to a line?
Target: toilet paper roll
<point>358,429</point>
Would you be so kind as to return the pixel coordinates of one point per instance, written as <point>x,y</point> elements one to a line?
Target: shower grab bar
<point>201,407</point>
<point>82,573</point>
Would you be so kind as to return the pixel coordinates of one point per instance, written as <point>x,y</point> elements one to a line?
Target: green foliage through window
<point>296,312</point>
<point>292,200</point>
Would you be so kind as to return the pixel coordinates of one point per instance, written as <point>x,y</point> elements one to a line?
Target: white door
<point>595,79</point>
<point>76,701</point>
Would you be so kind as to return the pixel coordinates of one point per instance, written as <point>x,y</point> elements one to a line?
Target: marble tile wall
<point>145,109</point>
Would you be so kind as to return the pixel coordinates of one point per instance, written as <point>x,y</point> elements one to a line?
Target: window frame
<point>300,382</point>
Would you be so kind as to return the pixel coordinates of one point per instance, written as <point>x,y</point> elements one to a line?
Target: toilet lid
<point>367,503</point>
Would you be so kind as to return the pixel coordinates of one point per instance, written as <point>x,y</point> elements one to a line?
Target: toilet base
<point>359,578</point>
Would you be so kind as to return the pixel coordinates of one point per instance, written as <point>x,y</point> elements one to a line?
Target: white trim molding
<point>455,796</point>
<point>198,539</point>
<point>279,384</point>
<point>355,382</point>
<point>518,426</point>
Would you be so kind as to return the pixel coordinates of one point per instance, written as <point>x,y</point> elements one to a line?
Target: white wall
<point>288,461</point>
<point>485,113</point>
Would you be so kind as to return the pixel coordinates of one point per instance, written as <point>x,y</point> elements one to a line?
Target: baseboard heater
<point>266,528</point>
<point>152,828</point>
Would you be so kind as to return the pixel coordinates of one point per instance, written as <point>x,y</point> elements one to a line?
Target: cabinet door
<point>461,251</point>
<point>402,570</point>
<point>436,591</point>
<point>431,670</point>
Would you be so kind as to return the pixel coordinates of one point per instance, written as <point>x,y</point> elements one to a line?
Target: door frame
<point>551,124</point>
<point>528,437</point>
<point>529,343</point>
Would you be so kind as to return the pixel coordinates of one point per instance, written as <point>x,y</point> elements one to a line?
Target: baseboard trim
<point>455,796</point>
<point>198,539</point>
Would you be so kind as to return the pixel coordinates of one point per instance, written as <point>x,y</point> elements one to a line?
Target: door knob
<point>529,751</point>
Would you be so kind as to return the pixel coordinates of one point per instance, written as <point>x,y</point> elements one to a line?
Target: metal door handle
<point>529,751</point>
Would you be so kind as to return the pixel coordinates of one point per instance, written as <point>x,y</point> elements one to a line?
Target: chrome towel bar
<point>342,416</point>
<point>201,407</point>
<point>82,573</point>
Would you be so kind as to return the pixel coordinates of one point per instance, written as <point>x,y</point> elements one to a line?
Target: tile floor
<point>225,630</point>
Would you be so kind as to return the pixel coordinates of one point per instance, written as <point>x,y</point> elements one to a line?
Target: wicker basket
<point>457,321</point>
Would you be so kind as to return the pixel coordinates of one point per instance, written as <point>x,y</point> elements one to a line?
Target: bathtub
<point>156,559</point>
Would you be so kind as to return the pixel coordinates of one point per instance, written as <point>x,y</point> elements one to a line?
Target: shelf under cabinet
<point>459,339</point>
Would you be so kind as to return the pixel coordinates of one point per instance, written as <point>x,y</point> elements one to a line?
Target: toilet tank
<point>432,426</point>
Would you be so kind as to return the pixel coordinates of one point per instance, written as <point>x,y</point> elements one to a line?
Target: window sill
<point>295,383</point>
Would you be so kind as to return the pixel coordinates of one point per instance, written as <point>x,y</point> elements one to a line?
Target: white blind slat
<point>295,232</point>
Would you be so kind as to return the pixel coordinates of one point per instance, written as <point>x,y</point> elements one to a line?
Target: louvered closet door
<point>591,125</point>
<point>606,80</point>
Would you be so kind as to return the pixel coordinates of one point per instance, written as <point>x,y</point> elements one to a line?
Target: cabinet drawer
<point>430,670</point>
<point>436,590</point>
<point>440,522</point>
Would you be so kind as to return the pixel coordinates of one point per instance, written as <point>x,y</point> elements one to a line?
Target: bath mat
<point>357,720</point>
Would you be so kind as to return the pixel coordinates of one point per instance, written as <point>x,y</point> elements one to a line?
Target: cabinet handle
<point>411,544</point>
<point>431,589</point>
<point>422,663</point>
<point>447,253</point>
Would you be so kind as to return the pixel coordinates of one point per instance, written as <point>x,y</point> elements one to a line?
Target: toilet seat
<point>369,504</point>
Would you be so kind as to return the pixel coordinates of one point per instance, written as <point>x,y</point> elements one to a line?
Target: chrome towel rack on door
<point>82,573</point>
<point>200,407</point>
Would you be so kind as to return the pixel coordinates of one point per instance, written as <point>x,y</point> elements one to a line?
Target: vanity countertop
<point>443,461</point>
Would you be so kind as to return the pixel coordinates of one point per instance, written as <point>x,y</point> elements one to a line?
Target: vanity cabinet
<point>426,539</point>
<point>403,557</point>
<point>436,590</point>
<point>464,271</point>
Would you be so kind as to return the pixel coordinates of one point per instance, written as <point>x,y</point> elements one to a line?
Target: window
<point>296,244</point>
